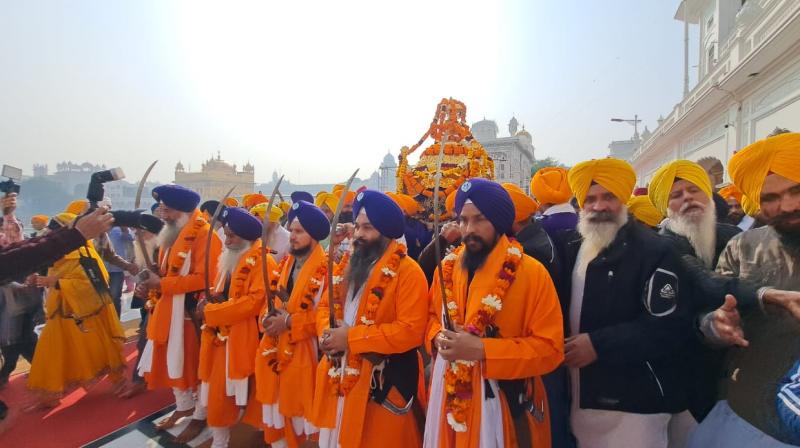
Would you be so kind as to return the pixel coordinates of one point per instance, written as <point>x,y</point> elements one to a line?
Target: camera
<point>96,191</point>
<point>137,219</point>
<point>9,186</point>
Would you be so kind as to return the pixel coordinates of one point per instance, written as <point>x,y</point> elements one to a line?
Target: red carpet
<point>82,417</point>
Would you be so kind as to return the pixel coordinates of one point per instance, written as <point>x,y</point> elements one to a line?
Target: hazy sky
<point>316,89</point>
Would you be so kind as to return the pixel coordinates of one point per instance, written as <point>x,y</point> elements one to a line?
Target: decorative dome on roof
<point>179,166</point>
<point>389,161</point>
<point>524,133</point>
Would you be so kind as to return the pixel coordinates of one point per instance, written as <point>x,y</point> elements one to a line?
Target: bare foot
<point>192,430</point>
<point>133,390</point>
<point>170,421</point>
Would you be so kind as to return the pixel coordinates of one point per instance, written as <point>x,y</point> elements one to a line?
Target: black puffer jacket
<point>635,312</point>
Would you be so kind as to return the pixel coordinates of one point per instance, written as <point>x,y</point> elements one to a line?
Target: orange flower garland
<point>184,246</point>
<point>270,351</point>
<point>458,375</point>
<point>352,368</point>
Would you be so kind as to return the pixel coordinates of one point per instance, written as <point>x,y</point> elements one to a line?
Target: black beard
<point>365,253</point>
<point>473,260</point>
<point>781,223</point>
<point>300,252</point>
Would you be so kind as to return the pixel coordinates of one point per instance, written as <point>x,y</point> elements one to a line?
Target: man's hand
<point>788,300</point>
<point>451,232</point>
<point>727,324</point>
<point>9,204</point>
<point>579,351</point>
<point>277,323</point>
<point>334,340</point>
<point>46,282</point>
<point>151,282</point>
<point>95,224</point>
<point>132,268</point>
<point>459,345</point>
<point>200,310</point>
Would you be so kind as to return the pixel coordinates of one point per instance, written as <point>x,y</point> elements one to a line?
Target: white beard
<point>150,245</point>
<point>169,233</point>
<point>597,236</point>
<point>700,231</point>
<point>229,259</point>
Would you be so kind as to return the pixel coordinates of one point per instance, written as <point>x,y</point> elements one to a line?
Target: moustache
<point>689,205</point>
<point>785,218</point>
<point>605,216</point>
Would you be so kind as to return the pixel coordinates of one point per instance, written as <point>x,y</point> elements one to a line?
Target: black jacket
<point>537,243</point>
<point>635,312</point>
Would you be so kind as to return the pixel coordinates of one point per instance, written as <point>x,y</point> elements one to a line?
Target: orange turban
<point>327,199</point>
<point>664,177</point>
<point>77,206</point>
<point>231,202</point>
<point>615,175</point>
<point>409,205</point>
<point>251,199</point>
<point>549,186</point>
<point>749,167</point>
<point>731,192</point>
<point>644,211</point>
<point>749,207</point>
<point>524,205</point>
<point>450,203</point>
<point>65,218</point>
<point>348,199</point>
<point>39,219</point>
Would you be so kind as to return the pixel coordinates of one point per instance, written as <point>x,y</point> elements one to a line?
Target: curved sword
<point>148,263</point>
<point>334,223</point>
<point>448,323</point>
<point>264,231</point>
<point>211,231</point>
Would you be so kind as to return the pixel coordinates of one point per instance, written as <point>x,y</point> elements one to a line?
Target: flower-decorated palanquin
<point>464,157</point>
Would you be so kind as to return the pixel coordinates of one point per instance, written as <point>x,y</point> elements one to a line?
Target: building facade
<point>216,177</point>
<point>748,84</point>
<point>513,155</point>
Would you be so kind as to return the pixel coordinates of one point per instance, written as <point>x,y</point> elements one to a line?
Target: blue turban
<point>298,196</point>
<point>384,214</point>
<point>788,402</point>
<point>491,199</point>
<point>153,208</point>
<point>311,218</point>
<point>177,197</point>
<point>242,223</point>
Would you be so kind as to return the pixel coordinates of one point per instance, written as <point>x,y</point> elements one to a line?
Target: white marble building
<point>748,84</point>
<point>513,155</point>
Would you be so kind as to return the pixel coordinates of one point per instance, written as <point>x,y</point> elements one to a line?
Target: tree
<point>544,163</point>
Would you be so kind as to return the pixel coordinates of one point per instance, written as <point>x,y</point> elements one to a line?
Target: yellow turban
<point>408,204</point>
<point>749,207</point>
<point>664,177</point>
<point>644,211</point>
<point>615,175</point>
<point>450,203</point>
<point>274,216</point>
<point>65,218</point>
<point>39,219</point>
<point>549,186</point>
<point>77,206</point>
<point>327,199</point>
<point>251,199</point>
<point>524,205</point>
<point>284,206</point>
<point>749,167</point>
<point>231,202</point>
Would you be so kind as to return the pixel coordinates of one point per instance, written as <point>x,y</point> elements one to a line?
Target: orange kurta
<point>69,355</point>
<point>193,237</point>
<point>531,345</point>
<point>292,388</point>
<point>234,321</point>
<point>399,327</point>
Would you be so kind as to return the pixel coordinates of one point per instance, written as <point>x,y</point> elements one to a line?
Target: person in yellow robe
<point>82,339</point>
<point>368,389</point>
<point>286,362</point>
<point>230,332</point>
<point>170,357</point>
<point>506,330</point>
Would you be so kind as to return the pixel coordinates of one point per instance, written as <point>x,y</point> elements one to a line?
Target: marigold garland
<point>342,384</point>
<point>183,246</point>
<point>458,374</point>
<point>270,352</point>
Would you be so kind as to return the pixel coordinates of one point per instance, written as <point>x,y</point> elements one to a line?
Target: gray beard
<point>150,245</point>
<point>701,233</point>
<point>597,236</point>
<point>229,259</point>
<point>169,233</point>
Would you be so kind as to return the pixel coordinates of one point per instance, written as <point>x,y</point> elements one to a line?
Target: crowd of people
<point>588,313</point>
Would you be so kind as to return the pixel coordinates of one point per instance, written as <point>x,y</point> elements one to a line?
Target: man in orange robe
<point>170,357</point>
<point>286,362</point>
<point>367,395</point>
<point>486,389</point>
<point>230,331</point>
